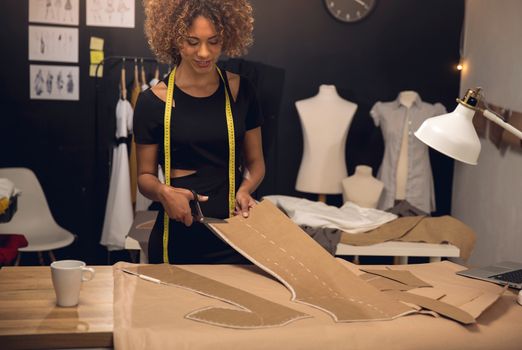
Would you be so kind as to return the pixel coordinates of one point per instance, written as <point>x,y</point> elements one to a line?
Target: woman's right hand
<point>176,200</point>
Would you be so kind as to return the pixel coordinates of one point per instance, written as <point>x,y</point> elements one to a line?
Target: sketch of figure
<point>109,9</point>
<point>38,83</point>
<point>59,82</point>
<point>68,12</point>
<point>70,83</point>
<point>122,9</point>
<point>58,8</point>
<point>42,44</point>
<point>49,11</point>
<point>49,83</point>
<point>69,45</point>
<point>60,43</point>
<point>96,9</point>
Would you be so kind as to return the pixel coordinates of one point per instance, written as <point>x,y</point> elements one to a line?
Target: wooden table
<point>30,319</point>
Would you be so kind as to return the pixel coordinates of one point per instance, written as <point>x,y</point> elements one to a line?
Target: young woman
<point>214,150</point>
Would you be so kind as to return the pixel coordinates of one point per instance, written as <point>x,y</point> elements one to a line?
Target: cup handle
<point>91,275</point>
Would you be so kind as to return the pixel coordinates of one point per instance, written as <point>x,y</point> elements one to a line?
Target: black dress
<point>199,141</point>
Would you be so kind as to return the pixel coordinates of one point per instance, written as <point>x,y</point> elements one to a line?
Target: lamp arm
<point>498,120</point>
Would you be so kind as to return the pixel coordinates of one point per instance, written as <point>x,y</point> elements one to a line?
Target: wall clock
<point>349,10</point>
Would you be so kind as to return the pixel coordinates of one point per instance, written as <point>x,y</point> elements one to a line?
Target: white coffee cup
<point>67,276</point>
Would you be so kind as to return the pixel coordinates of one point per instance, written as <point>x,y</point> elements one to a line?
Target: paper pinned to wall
<point>96,43</point>
<point>54,82</point>
<point>57,44</point>
<point>110,13</point>
<point>96,70</point>
<point>65,12</point>
<point>96,56</point>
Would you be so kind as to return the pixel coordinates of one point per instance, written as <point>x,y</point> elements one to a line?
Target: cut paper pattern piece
<point>277,245</point>
<point>252,312</point>
<point>471,297</point>
<point>439,307</point>
<point>432,293</point>
<point>444,229</point>
<point>404,277</point>
<point>383,284</point>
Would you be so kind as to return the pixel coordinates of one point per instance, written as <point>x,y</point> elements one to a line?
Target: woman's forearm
<point>253,176</point>
<point>150,186</point>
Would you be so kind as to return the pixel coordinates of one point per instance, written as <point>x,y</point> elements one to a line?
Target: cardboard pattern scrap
<point>253,312</point>
<point>275,244</point>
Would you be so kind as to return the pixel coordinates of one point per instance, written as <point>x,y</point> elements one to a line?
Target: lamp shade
<point>452,134</point>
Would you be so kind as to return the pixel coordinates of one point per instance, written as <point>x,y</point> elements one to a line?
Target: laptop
<point>504,273</point>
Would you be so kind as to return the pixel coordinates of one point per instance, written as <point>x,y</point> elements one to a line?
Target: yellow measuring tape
<point>231,154</point>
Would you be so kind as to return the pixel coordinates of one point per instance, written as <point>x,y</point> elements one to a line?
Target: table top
<point>30,319</point>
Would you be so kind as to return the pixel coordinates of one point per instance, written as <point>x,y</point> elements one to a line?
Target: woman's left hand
<point>244,202</point>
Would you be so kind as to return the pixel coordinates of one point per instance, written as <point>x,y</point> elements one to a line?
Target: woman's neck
<point>185,75</point>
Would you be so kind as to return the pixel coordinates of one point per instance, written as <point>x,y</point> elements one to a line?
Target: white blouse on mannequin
<point>325,120</point>
<point>406,98</point>
<point>405,169</point>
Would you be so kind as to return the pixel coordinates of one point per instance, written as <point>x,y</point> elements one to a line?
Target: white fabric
<point>154,82</point>
<point>7,188</point>
<point>349,218</point>
<point>118,213</point>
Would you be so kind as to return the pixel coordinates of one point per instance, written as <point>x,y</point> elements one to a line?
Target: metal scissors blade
<point>198,214</point>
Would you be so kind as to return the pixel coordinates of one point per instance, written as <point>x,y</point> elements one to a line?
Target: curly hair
<point>167,23</point>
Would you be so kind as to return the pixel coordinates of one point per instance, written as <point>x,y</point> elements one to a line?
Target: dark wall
<point>403,44</point>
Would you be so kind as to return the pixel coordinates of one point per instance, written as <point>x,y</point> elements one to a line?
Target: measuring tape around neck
<point>231,154</point>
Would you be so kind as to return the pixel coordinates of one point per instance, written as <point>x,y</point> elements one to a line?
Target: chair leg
<point>41,259</point>
<point>133,254</point>
<point>51,256</point>
<point>18,258</point>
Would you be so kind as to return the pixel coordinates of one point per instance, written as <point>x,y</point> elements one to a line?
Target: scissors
<point>198,214</point>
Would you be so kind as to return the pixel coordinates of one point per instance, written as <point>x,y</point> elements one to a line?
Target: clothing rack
<point>123,59</point>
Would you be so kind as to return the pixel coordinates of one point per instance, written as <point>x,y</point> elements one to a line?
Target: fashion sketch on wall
<point>54,82</point>
<point>110,13</point>
<point>56,44</point>
<point>65,12</point>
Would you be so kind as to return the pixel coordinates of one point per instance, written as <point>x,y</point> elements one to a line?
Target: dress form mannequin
<point>406,98</point>
<point>325,120</point>
<point>362,188</point>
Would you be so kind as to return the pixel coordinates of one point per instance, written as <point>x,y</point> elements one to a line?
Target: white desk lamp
<point>454,134</point>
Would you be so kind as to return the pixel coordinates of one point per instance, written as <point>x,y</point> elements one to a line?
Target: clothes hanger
<point>136,74</point>
<point>123,88</point>
<point>144,84</point>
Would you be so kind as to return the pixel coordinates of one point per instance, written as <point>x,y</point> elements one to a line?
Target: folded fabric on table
<point>349,218</point>
<point>328,238</point>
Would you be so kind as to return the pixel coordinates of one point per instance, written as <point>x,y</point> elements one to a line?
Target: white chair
<point>33,218</point>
